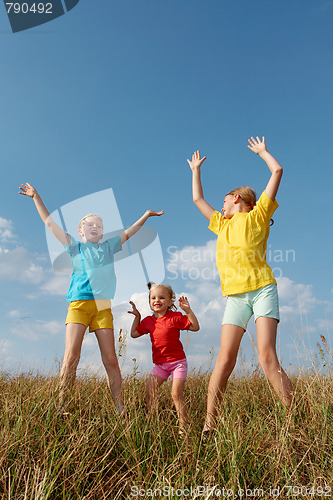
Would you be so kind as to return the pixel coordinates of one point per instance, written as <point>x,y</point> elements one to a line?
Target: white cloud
<point>57,284</point>
<point>8,354</point>
<point>297,298</point>
<point>14,314</point>
<point>325,326</point>
<point>37,330</point>
<point>194,263</point>
<point>20,265</point>
<point>6,230</point>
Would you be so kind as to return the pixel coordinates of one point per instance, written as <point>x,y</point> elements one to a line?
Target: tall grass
<point>91,453</point>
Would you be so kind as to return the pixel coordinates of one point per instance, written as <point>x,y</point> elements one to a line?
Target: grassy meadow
<point>260,451</point>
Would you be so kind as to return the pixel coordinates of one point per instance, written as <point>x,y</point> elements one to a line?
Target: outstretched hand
<point>152,213</point>
<point>184,304</point>
<point>134,311</point>
<point>256,145</point>
<point>27,190</point>
<point>197,161</point>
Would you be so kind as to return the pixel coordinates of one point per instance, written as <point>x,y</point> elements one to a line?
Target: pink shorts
<point>177,370</point>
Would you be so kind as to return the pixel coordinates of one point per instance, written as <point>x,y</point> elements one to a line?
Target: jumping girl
<point>246,278</point>
<point>93,284</point>
<point>168,354</point>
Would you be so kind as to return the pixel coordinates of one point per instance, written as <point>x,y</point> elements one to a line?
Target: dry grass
<point>92,454</point>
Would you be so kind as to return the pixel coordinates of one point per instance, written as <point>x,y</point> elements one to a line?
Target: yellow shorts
<point>93,313</point>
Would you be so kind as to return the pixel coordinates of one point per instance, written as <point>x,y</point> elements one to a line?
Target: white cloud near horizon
<point>38,330</point>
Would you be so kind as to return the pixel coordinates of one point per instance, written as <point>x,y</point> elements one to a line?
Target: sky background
<point>118,95</point>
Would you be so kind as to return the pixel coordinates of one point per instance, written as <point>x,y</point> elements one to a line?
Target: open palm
<point>197,161</point>
<point>27,190</point>
<point>256,145</point>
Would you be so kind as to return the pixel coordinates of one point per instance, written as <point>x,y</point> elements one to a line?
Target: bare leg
<point>177,393</point>
<point>266,340</point>
<point>231,337</point>
<point>105,337</point>
<point>153,385</point>
<point>74,338</point>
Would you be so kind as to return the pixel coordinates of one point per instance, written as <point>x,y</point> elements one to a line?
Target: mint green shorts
<point>240,307</point>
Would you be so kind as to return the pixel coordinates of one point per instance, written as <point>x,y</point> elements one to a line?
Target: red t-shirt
<point>164,335</point>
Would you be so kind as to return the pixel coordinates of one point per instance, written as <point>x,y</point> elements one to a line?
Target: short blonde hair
<point>171,293</point>
<point>86,217</point>
<point>247,195</point>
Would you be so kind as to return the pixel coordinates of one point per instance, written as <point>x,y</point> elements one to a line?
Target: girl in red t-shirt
<point>164,326</point>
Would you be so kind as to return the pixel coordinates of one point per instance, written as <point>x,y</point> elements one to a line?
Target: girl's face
<point>228,209</point>
<point>159,300</point>
<point>91,229</point>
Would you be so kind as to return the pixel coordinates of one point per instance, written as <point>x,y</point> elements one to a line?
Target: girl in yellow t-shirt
<point>246,278</point>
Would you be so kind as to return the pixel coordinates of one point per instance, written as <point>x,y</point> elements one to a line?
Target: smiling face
<point>91,229</point>
<point>160,300</point>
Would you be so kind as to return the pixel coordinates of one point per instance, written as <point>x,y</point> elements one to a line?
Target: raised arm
<point>259,147</point>
<point>28,190</point>
<point>185,305</point>
<point>136,321</point>
<point>125,235</point>
<point>198,196</point>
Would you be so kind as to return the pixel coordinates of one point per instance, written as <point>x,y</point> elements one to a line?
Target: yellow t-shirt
<point>241,247</point>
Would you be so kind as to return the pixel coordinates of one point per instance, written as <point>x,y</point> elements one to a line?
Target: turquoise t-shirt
<point>93,274</point>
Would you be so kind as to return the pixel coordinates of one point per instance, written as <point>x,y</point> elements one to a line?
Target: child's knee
<point>177,392</point>
<point>151,388</point>
<point>71,360</point>
<point>110,362</point>
<point>225,365</point>
<point>268,360</point>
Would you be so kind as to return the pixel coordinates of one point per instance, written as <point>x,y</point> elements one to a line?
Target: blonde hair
<point>247,195</point>
<point>171,293</point>
<point>86,217</point>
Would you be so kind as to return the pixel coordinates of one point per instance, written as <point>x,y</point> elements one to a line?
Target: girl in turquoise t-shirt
<point>92,286</point>
<point>246,278</point>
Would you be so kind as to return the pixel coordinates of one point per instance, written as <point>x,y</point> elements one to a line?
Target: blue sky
<point>118,95</point>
